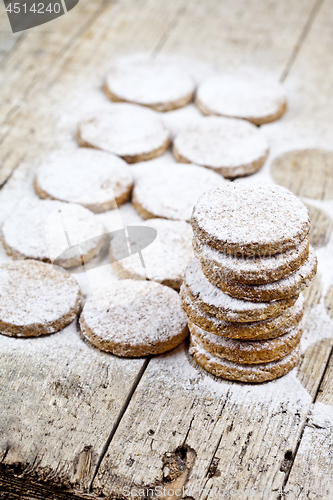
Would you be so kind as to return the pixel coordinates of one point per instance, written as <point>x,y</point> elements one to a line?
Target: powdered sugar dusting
<point>151,83</point>
<point>165,259</point>
<point>125,130</point>
<point>35,230</point>
<point>171,190</point>
<point>93,178</point>
<point>135,313</point>
<point>255,98</point>
<point>230,146</point>
<point>265,219</point>
<point>228,308</point>
<point>35,296</point>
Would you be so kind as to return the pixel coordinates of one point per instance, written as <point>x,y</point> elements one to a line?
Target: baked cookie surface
<point>37,231</point>
<point>165,259</point>
<point>247,351</point>
<point>276,290</point>
<point>36,299</point>
<point>253,330</point>
<point>266,219</point>
<point>132,132</point>
<point>230,147</point>
<point>259,100</point>
<point>214,301</point>
<point>135,318</point>
<point>95,179</point>
<point>230,370</point>
<point>170,190</point>
<point>251,270</point>
<point>156,84</point>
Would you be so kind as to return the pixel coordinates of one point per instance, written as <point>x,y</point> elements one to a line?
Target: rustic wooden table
<point>78,423</point>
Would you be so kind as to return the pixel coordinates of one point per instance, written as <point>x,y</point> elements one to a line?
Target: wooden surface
<point>76,420</point>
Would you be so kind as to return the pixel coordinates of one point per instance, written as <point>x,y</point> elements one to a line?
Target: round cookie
<point>97,180</point>
<point>132,132</point>
<point>277,290</point>
<point>255,330</point>
<point>230,147</point>
<point>170,191</point>
<point>214,301</point>
<point>156,84</point>
<point>230,370</point>
<point>251,270</point>
<point>37,231</point>
<point>250,219</point>
<point>136,318</point>
<point>36,299</point>
<point>165,260</point>
<point>259,100</point>
<point>250,352</point>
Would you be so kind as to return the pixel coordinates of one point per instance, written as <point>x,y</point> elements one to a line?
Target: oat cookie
<point>36,230</point>
<point>159,85</point>
<point>250,219</point>
<point>97,180</point>
<point>229,146</point>
<point>277,290</point>
<point>136,318</point>
<point>36,299</point>
<point>170,190</point>
<point>230,370</point>
<point>132,132</point>
<point>254,330</point>
<point>252,270</point>
<point>259,100</point>
<point>247,351</point>
<point>214,301</point>
<point>165,259</point>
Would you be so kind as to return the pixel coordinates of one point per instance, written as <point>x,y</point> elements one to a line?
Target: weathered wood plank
<point>60,396</point>
<point>243,438</point>
<point>59,399</point>
<point>123,27</point>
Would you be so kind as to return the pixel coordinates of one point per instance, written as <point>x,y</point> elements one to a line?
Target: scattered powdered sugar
<point>232,147</point>
<point>250,218</point>
<point>318,326</point>
<point>126,130</point>
<point>34,296</point>
<point>36,230</point>
<point>322,416</point>
<point>151,83</point>
<point>165,258</point>
<point>93,178</point>
<point>255,98</point>
<point>171,190</point>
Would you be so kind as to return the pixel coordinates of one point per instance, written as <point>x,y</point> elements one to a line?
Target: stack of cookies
<point>242,292</point>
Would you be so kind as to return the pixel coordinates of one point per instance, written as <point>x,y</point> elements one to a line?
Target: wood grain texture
<point>244,437</point>
<point>59,399</point>
<point>314,166</point>
<point>182,427</point>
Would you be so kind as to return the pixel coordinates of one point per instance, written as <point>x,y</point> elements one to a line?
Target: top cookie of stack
<point>251,240</point>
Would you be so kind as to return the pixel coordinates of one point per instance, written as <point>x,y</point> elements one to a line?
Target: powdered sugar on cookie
<point>229,146</point>
<point>254,98</point>
<point>127,130</point>
<point>171,190</point>
<point>156,84</point>
<point>97,180</point>
<point>250,219</point>
<point>36,299</point>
